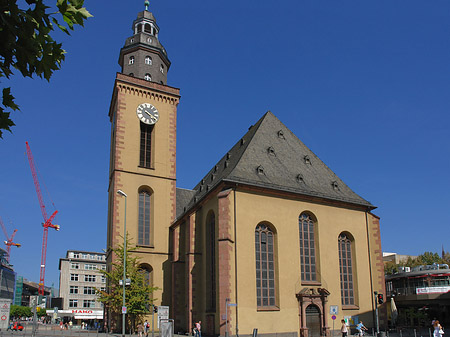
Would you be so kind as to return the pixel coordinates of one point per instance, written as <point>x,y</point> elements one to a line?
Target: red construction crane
<point>47,221</point>
<point>9,241</point>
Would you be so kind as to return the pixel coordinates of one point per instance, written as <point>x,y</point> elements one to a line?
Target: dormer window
<point>161,69</point>
<point>147,77</point>
<point>131,60</point>
<point>148,60</point>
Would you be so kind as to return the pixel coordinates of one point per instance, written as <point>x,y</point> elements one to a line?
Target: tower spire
<point>147,3</point>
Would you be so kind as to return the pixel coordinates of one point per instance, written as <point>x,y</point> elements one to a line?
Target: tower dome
<point>143,56</point>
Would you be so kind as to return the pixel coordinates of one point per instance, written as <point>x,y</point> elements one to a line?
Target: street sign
<point>232,304</point>
<point>163,313</point>
<point>5,306</point>
<point>124,310</point>
<point>333,317</point>
<point>334,309</point>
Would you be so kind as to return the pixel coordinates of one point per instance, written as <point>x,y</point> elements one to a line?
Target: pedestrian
<point>146,328</point>
<point>344,329</point>
<point>70,324</point>
<point>140,329</point>
<point>198,329</point>
<point>438,329</point>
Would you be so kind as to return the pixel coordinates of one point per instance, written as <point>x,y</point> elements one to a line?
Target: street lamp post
<point>122,193</point>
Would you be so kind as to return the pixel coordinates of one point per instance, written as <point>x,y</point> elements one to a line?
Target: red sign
<point>3,317</point>
<point>82,311</point>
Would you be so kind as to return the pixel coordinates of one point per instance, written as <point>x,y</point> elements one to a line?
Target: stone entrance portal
<point>312,312</point>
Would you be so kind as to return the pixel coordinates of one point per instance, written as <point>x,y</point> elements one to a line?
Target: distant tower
<point>143,116</point>
<point>143,56</point>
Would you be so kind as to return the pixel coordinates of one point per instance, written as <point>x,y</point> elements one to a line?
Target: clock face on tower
<point>147,113</point>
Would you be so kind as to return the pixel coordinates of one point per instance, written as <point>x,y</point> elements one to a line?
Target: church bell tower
<point>143,115</point>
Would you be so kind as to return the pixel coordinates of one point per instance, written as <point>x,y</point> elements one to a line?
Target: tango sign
<point>82,311</point>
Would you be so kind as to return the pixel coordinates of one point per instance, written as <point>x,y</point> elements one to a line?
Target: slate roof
<point>269,155</point>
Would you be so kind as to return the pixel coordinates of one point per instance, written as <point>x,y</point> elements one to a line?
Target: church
<point>270,239</point>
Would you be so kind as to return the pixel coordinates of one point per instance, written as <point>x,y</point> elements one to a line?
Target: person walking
<point>146,328</point>
<point>198,329</point>
<point>344,328</point>
<point>438,329</point>
<point>140,330</point>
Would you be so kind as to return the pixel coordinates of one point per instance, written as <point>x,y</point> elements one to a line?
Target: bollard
<point>415,333</point>
<point>429,331</point>
<point>401,333</point>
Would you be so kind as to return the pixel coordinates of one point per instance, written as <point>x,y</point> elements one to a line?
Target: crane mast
<point>47,221</point>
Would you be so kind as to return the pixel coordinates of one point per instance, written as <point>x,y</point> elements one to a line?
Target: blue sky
<point>364,84</point>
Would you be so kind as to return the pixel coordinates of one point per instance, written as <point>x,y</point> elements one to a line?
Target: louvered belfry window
<point>307,248</point>
<point>265,266</point>
<point>346,270</point>
<point>144,218</point>
<point>146,146</point>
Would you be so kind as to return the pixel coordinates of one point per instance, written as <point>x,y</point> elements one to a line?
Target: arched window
<point>148,60</point>
<point>211,261</point>
<point>346,269</point>
<point>132,74</point>
<point>265,266</point>
<point>161,68</point>
<point>147,273</point>
<point>144,218</point>
<point>147,77</point>
<point>139,28</point>
<point>131,60</point>
<point>148,28</point>
<point>307,248</point>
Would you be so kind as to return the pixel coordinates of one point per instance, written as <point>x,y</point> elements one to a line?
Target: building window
<point>76,255</point>
<point>147,77</point>
<point>307,248</point>
<point>211,261</point>
<point>89,278</point>
<point>144,218</point>
<point>88,303</point>
<point>148,60</point>
<point>346,270</point>
<point>73,303</point>
<point>73,290</point>
<point>89,291</point>
<point>74,265</point>
<point>146,145</point>
<point>103,278</point>
<point>89,266</point>
<point>265,266</point>
<point>131,60</point>
<point>74,277</point>
<point>103,267</point>
<point>148,28</point>
<point>161,68</point>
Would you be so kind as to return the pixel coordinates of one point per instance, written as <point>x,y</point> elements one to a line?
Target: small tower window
<point>131,60</point>
<point>139,28</point>
<point>147,77</point>
<point>148,28</point>
<point>161,68</point>
<point>132,74</point>
<point>148,60</point>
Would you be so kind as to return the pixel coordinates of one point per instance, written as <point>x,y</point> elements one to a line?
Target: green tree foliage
<point>138,295</point>
<point>27,46</point>
<point>19,311</point>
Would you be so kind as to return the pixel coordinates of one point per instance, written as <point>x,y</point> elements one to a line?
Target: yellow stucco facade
<point>230,252</point>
